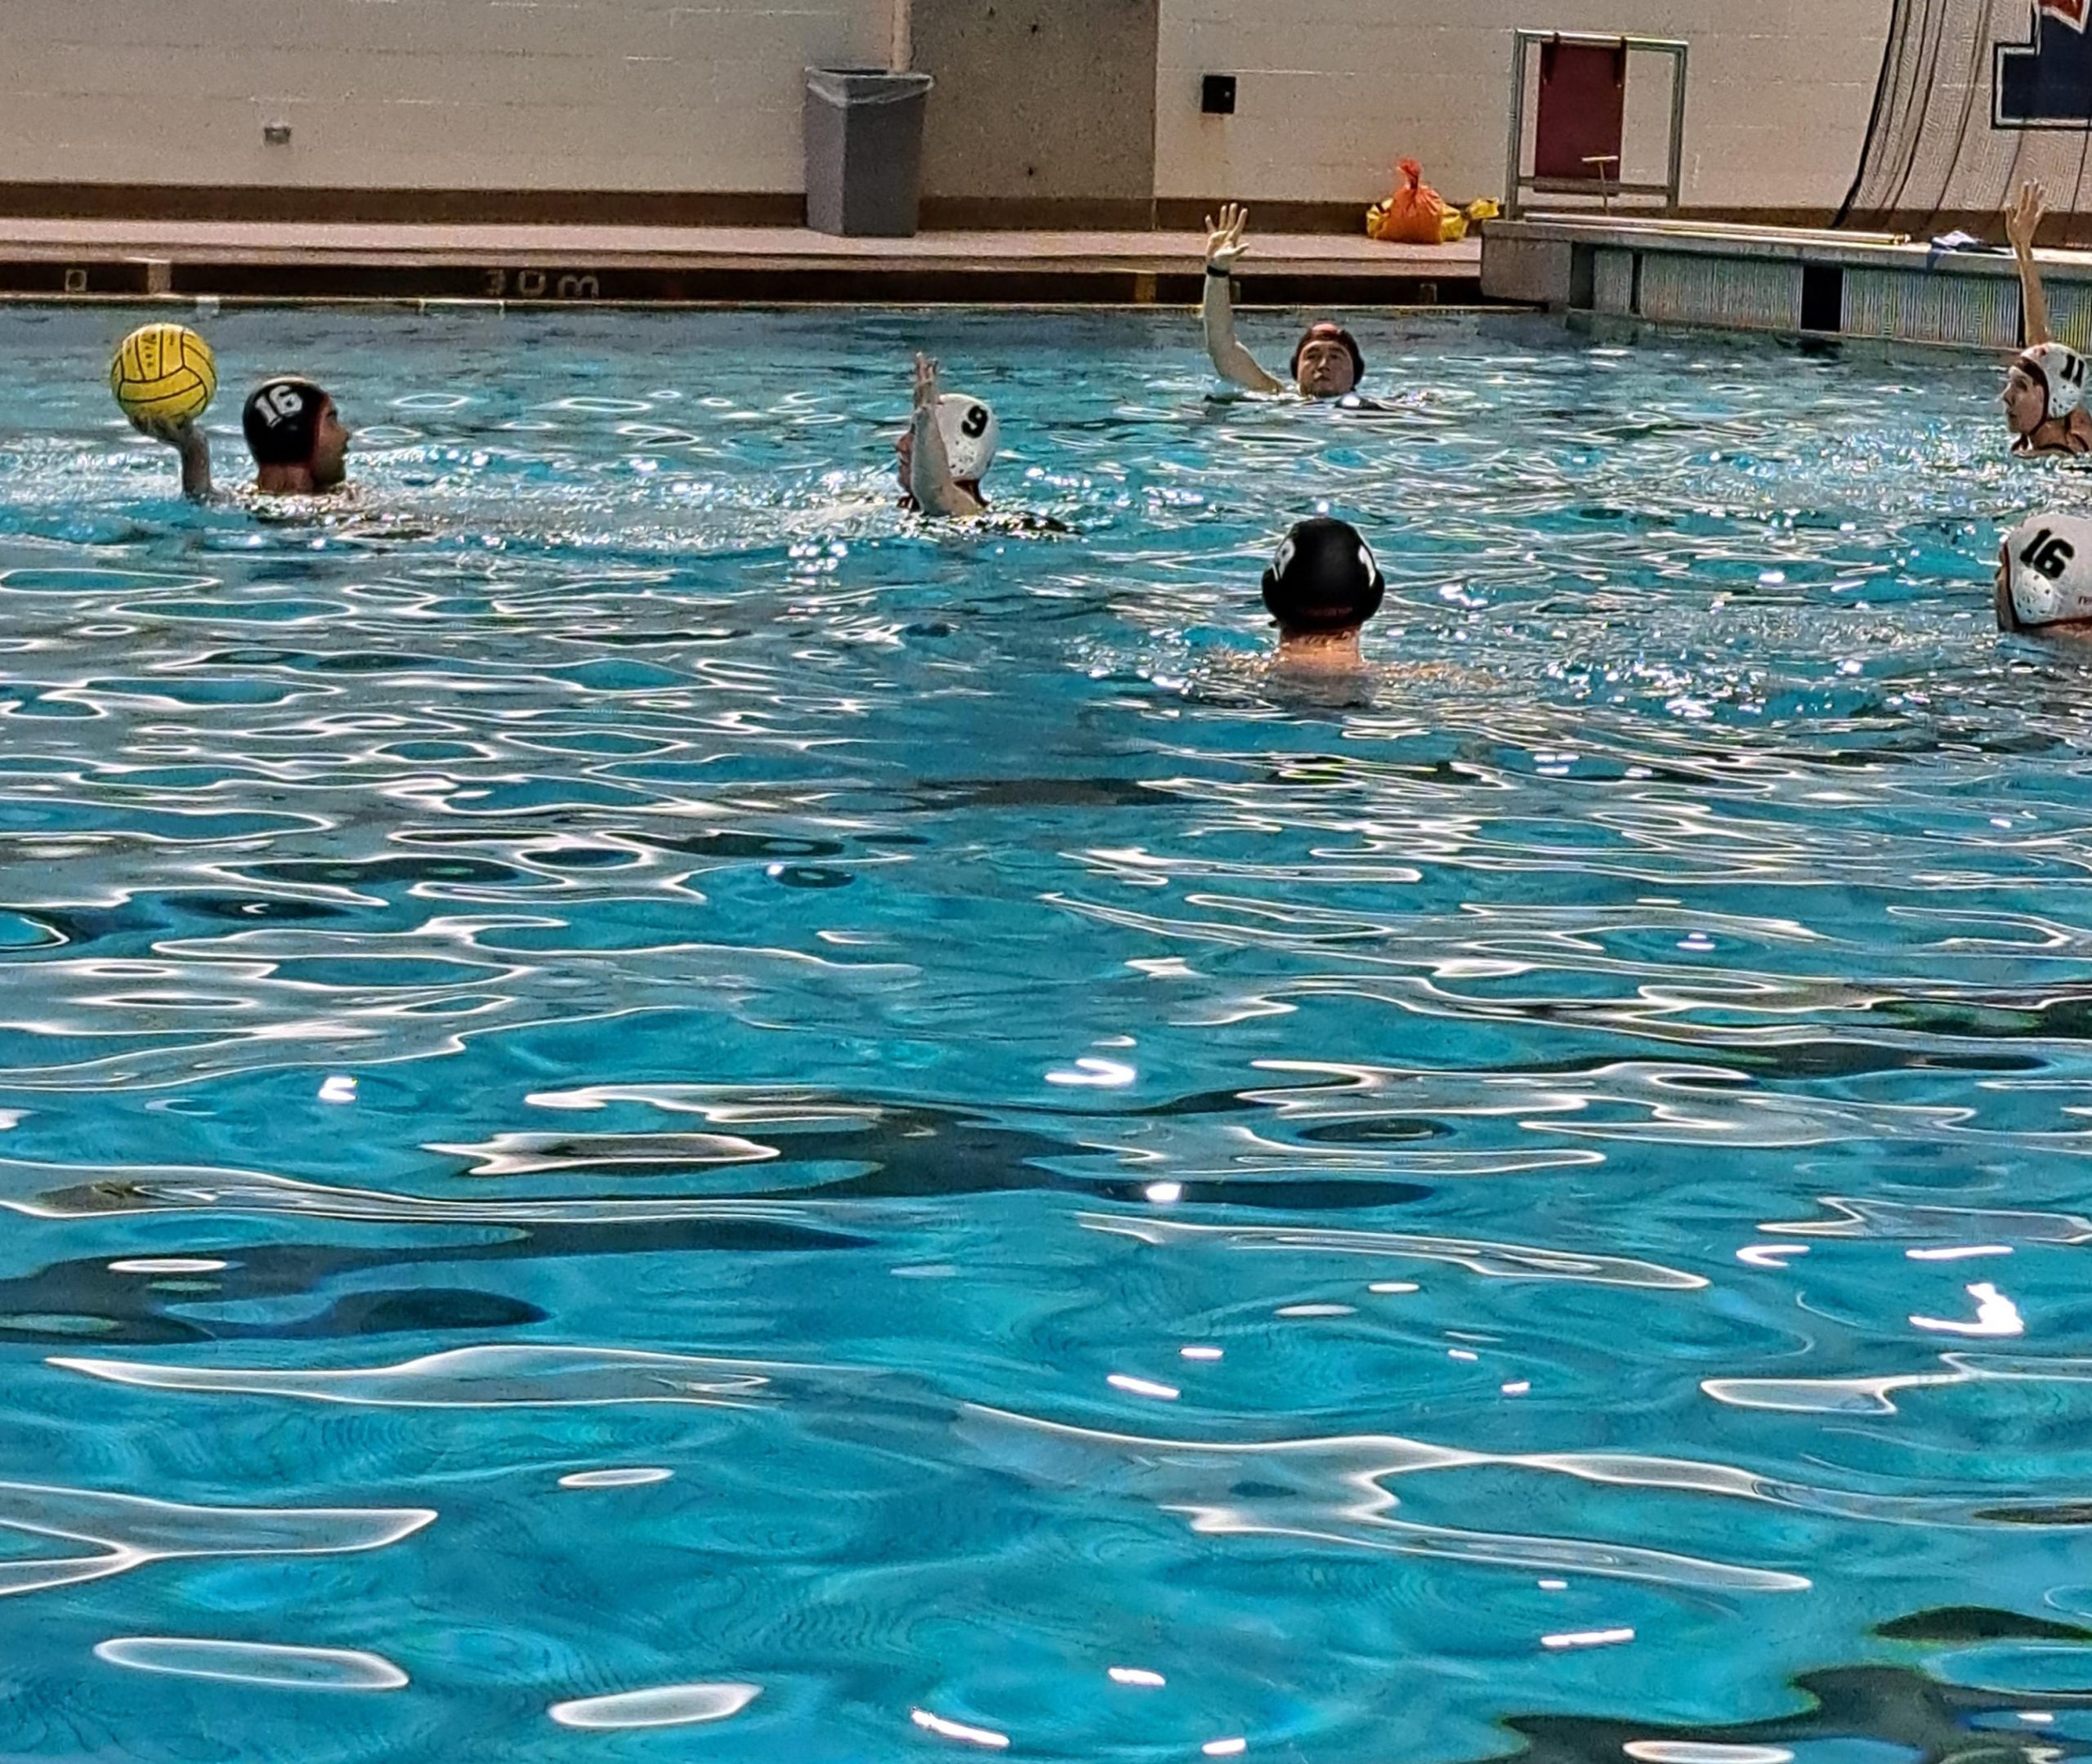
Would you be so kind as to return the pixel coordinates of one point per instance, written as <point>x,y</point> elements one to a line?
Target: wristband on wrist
<point>1215,270</point>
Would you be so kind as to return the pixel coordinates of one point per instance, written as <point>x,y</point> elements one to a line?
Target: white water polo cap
<point>2062,370</point>
<point>2049,569</point>
<point>971,432</point>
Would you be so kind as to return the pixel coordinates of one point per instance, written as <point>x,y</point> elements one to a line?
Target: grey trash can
<point>864,150</point>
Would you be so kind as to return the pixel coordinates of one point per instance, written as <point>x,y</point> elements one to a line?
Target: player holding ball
<point>164,377</point>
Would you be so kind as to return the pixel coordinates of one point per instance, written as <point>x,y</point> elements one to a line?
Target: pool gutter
<point>1791,281</point>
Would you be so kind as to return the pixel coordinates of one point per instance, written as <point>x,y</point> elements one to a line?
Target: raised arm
<point>930,480</point>
<point>1224,250</point>
<point>195,447</point>
<point>2022,220</point>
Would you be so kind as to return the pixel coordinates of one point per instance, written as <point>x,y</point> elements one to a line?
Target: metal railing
<point>1517,182</point>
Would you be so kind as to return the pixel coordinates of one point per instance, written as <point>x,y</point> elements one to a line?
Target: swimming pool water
<point>937,1164</point>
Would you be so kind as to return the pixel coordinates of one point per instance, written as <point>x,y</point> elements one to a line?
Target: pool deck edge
<point>146,259</point>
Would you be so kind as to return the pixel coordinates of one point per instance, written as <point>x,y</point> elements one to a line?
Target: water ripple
<point>133,1530</point>
<point>474,1378</point>
<point>254,1663</point>
<point>665,1706</point>
<point>1508,1261</point>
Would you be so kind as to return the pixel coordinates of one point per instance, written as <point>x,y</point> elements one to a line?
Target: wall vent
<point>1749,294</point>
<point>1913,306</point>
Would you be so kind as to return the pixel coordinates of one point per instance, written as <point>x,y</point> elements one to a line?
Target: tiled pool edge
<point>1787,282</point>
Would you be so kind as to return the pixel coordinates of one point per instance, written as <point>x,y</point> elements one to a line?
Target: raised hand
<point>2022,220</point>
<point>176,433</point>
<point>189,442</point>
<point>926,382</point>
<point>1224,246</point>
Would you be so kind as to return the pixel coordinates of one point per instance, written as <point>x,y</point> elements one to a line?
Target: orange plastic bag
<point>1414,215</point>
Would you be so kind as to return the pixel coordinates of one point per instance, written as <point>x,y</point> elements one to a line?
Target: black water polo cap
<point>1324,578</point>
<point>282,421</point>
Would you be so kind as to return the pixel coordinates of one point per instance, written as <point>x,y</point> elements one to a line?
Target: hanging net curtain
<point>1974,96</point>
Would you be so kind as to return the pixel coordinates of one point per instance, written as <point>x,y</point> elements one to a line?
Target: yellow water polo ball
<point>163,373</point>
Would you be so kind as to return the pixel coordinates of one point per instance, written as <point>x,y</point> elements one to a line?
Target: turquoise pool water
<point>936,1164</point>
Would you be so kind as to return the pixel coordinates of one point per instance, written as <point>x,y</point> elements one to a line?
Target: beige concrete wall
<point>1332,91</point>
<point>455,94</point>
<point>1051,99</point>
<point>705,95</point>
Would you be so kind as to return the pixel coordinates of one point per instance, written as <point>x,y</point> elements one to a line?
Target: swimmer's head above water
<point>2044,578</point>
<point>1327,362</point>
<point>2045,386</point>
<point>1319,590</point>
<point>971,434</point>
<point>959,434</point>
<point>296,435</point>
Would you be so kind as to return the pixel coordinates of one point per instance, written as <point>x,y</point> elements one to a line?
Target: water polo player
<point>297,437</point>
<point>946,449</point>
<point>1319,590</point>
<point>2045,576</point>
<point>292,430</point>
<point>1326,361</point>
<point>2044,395</point>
